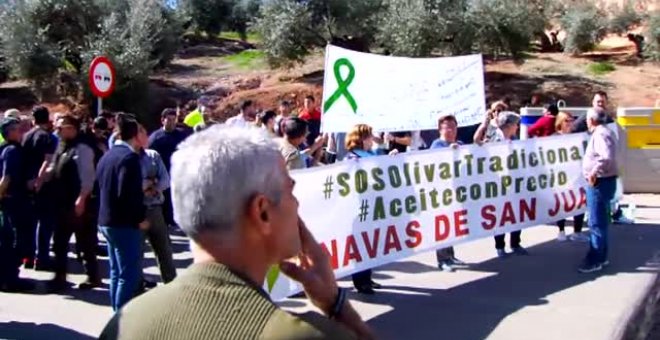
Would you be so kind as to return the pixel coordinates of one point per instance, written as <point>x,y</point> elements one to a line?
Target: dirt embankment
<point>202,70</point>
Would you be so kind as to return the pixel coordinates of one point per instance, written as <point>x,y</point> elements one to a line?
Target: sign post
<point>101,80</point>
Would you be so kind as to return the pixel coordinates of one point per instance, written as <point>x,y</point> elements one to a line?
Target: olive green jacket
<point>211,302</point>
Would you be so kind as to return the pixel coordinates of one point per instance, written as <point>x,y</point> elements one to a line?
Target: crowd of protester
<point>64,175</point>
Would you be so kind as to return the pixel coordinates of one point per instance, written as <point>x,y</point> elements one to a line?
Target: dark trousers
<point>21,213</point>
<point>514,237</point>
<point>67,224</point>
<point>9,259</point>
<point>168,211</point>
<point>45,224</point>
<point>444,254</point>
<point>361,279</point>
<point>578,223</point>
<point>159,239</point>
<point>124,254</point>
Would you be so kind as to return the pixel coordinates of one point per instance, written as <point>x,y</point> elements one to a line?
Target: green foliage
<point>251,37</point>
<point>624,19</point>
<point>136,41</point>
<point>285,26</point>
<point>4,69</point>
<point>208,15</point>
<point>242,15</point>
<point>25,46</point>
<point>409,28</point>
<point>585,27</point>
<point>248,59</point>
<point>214,16</point>
<point>600,68</point>
<point>652,47</point>
<point>504,26</point>
<point>416,28</point>
<point>67,23</point>
<point>291,29</point>
<point>41,38</point>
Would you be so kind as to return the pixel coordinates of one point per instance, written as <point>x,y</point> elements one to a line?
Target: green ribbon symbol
<point>343,84</point>
<point>271,277</point>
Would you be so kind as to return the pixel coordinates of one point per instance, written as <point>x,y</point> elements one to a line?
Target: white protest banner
<point>400,94</point>
<point>377,210</point>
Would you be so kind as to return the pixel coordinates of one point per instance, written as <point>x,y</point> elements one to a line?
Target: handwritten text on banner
<point>400,94</point>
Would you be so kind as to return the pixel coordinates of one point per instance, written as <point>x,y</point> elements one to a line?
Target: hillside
<point>231,71</point>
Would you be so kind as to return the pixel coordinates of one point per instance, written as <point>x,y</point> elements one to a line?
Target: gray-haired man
<point>234,198</point>
<point>600,169</point>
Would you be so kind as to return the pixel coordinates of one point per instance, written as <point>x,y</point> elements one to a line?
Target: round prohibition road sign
<point>101,77</point>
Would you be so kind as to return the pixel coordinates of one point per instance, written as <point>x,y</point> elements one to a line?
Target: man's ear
<point>259,214</point>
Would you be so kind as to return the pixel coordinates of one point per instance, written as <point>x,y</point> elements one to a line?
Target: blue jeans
<point>124,254</point>
<point>598,206</point>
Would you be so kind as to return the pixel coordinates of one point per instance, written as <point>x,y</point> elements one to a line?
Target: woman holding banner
<point>563,124</point>
<point>507,127</point>
<point>487,130</point>
<point>359,142</point>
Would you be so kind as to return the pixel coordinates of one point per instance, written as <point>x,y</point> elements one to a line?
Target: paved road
<point>536,297</point>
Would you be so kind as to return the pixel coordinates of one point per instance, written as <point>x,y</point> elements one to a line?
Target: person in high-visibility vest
<point>196,116</point>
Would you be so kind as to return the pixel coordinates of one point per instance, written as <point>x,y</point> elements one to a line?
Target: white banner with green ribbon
<point>373,211</point>
<point>400,94</point>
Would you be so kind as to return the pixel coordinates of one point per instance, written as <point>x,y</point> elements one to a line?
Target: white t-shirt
<point>417,141</point>
<point>238,121</point>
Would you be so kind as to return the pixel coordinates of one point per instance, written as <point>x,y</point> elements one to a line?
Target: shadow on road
<point>474,309</point>
<point>32,331</point>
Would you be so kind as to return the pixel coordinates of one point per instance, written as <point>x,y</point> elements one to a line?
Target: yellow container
<point>643,137</point>
<point>656,117</point>
<point>636,120</point>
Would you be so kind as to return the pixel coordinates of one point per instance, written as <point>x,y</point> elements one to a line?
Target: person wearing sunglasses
<point>563,124</point>
<point>488,128</point>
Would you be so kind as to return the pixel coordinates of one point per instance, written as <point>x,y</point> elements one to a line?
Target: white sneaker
<point>561,237</point>
<point>579,237</point>
<point>623,220</point>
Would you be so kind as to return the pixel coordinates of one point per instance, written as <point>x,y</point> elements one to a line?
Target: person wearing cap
<point>545,126</point>
<point>39,145</point>
<point>11,113</point>
<point>71,174</point>
<point>13,201</point>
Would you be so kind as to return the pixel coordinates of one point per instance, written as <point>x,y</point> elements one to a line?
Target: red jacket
<point>543,127</point>
<point>314,114</point>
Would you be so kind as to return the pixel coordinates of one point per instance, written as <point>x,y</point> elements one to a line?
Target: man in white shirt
<point>417,141</point>
<point>246,117</point>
